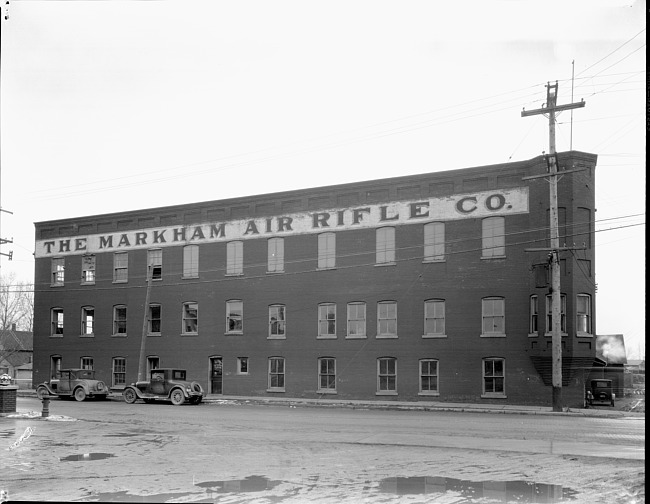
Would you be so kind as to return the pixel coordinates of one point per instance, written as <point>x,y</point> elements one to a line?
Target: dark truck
<point>600,391</point>
<point>165,384</point>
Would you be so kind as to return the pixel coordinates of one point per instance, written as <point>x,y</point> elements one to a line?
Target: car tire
<point>41,392</point>
<point>79,394</point>
<point>196,387</point>
<point>177,397</point>
<point>129,396</point>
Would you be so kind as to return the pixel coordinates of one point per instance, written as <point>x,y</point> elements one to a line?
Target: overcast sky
<point>113,106</point>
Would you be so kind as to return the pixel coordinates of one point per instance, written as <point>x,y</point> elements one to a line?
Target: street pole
<point>556,308</point>
<point>145,327</point>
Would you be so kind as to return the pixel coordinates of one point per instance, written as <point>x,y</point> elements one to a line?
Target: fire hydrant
<point>46,406</point>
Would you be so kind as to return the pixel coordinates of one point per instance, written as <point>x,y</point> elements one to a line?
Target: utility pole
<point>145,327</point>
<point>556,310</point>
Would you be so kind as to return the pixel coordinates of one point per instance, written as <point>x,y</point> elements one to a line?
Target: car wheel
<point>41,392</point>
<point>196,387</point>
<point>129,396</point>
<point>177,397</point>
<point>79,394</point>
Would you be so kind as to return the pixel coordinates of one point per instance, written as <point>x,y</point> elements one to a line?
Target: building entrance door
<point>216,375</point>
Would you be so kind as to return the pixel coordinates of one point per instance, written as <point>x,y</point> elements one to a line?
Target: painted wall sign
<point>460,206</point>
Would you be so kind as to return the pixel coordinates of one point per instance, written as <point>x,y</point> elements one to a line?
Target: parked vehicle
<point>77,383</point>
<point>601,391</point>
<point>165,384</point>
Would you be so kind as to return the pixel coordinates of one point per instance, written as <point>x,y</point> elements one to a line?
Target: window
<point>549,314</point>
<point>119,371</point>
<point>276,374</point>
<point>120,267</point>
<point>385,250</point>
<point>87,363</point>
<point>155,317</point>
<point>429,377</point>
<point>326,250</point>
<point>87,320</point>
<point>277,321</point>
<point>276,255</point>
<point>153,362</point>
<point>387,375</point>
<point>235,316</point>
<point>119,320</point>
<point>88,269</point>
<point>235,258</point>
<point>57,322</point>
<point>387,319</point>
<point>58,271</point>
<point>357,320</point>
<point>242,365</point>
<point>494,377</point>
<point>190,261</point>
<point>583,315</point>
<point>494,319</point>
<point>494,237</point>
<point>55,366</point>
<point>326,375</point>
<point>434,318</point>
<point>327,320</point>
<point>190,318</point>
<point>154,262</point>
<point>533,314</point>
<point>434,241</point>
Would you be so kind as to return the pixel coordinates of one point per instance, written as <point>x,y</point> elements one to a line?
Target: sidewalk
<point>398,405</point>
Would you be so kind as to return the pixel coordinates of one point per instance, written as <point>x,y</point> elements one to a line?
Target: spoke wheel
<point>130,396</point>
<point>177,397</point>
<point>41,392</point>
<point>80,394</point>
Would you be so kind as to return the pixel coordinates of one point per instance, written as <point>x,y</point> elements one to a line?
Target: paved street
<point>112,451</point>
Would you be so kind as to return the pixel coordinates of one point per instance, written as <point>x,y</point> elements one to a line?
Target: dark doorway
<point>216,375</point>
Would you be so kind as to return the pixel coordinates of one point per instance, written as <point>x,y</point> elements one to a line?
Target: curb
<point>396,406</point>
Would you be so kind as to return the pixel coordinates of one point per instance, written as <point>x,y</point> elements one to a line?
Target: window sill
<point>386,393</point>
<point>327,268</point>
<point>381,265</point>
<point>326,336</point>
<point>327,391</point>
<point>276,337</point>
<point>87,335</point>
<point>430,261</point>
<point>56,335</point>
<point>429,394</point>
<point>356,336</point>
<point>533,335</point>
<point>550,335</point>
<point>487,258</point>
<point>276,390</point>
<point>275,272</point>
<point>56,285</point>
<point>584,335</point>
<point>120,281</point>
<point>493,335</point>
<point>434,336</point>
<point>154,335</point>
<point>118,335</point>
<point>234,333</point>
<point>87,283</point>
<point>234,274</point>
<point>189,334</point>
<point>189,277</point>
<point>494,396</point>
<point>386,336</point>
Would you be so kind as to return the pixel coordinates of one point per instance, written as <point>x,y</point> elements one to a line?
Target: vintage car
<point>77,383</point>
<point>165,384</point>
<point>601,392</point>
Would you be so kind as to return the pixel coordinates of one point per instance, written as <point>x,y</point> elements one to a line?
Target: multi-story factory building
<point>414,288</point>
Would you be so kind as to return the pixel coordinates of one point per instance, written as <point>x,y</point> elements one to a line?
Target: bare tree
<point>16,312</point>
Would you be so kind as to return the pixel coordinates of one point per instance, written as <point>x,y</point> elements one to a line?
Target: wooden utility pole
<point>145,328</point>
<point>556,309</point>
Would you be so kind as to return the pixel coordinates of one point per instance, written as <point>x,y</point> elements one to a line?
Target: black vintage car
<point>165,384</point>
<point>601,391</point>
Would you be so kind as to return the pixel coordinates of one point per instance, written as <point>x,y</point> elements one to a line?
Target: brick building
<point>407,288</point>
